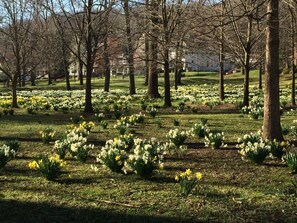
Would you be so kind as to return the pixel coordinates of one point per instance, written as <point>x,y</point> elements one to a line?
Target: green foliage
<point>49,167</point>
<point>291,161</point>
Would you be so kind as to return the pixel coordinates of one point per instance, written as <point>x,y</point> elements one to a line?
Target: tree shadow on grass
<point>17,211</point>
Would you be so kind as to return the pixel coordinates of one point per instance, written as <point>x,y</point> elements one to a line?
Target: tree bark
<point>33,78</point>
<point>88,94</point>
<point>130,48</point>
<point>293,100</point>
<point>271,123</point>
<point>14,91</point>
<point>167,102</point>
<point>80,72</point>
<point>260,74</point>
<point>247,55</point>
<point>106,64</point>
<point>221,57</point>
<point>49,78</point>
<point>153,91</point>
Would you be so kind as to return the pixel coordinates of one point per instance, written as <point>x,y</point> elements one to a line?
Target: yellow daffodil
<point>33,165</point>
<point>199,176</point>
<point>188,172</point>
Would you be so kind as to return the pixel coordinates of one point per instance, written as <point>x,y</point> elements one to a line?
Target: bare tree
<point>243,16</point>
<point>15,31</point>
<point>86,18</point>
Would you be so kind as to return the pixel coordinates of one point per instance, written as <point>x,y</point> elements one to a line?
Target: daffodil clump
<point>146,156</point>
<point>77,143</point>
<point>215,140</point>
<point>136,118</point>
<point>6,155</point>
<point>278,149</point>
<point>114,154</point>
<point>61,147</point>
<point>87,125</point>
<point>200,130</point>
<point>178,137</point>
<point>188,181</point>
<point>256,112</point>
<point>152,111</point>
<point>47,135</point>
<point>122,125</point>
<point>255,152</point>
<point>249,138</point>
<point>291,160</point>
<point>99,117</point>
<point>49,167</point>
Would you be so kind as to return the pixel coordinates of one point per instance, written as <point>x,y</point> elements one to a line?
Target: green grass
<point>232,190</point>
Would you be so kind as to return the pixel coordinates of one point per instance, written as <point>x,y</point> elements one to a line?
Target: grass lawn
<point>232,190</point>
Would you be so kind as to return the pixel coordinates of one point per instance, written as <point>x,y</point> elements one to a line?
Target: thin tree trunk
<point>88,94</point>
<point>66,67</point>
<point>221,57</point>
<point>130,48</point>
<point>49,78</point>
<point>167,101</point>
<point>106,64</point>
<point>247,56</point>
<point>271,123</point>
<point>80,65</point>
<point>14,91</point>
<point>260,74</point>
<point>24,71</point>
<point>293,100</point>
<point>153,91</point>
<point>33,78</point>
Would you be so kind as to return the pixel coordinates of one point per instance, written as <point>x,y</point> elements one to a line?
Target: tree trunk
<point>221,57</point>
<point>80,65</point>
<point>14,91</point>
<point>49,78</point>
<point>33,78</point>
<point>271,123</point>
<point>260,74</point>
<point>20,79</point>
<point>130,48</point>
<point>66,71</point>
<point>247,55</point>
<point>153,91</point>
<point>178,66</point>
<point>106,64</point>
<point>293,101</point>
<point>66,67</point>
<point>80,72</point>
<point>89,50</point>
<point>167,102</point>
